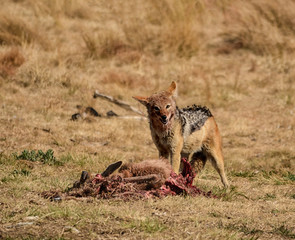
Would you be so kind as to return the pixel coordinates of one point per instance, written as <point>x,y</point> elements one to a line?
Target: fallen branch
<point>120,103</point>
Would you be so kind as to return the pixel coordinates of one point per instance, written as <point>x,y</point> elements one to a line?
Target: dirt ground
<point>236,57</point>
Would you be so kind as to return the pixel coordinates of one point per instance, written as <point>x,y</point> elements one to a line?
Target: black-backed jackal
<point>188,132</point>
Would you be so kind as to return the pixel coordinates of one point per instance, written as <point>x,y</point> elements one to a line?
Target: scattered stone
<point>76,117</point>
<point>31,218</point>
<point>84,113</point>
<point>46,130</point>
<point>23,224</point>
<point>91,111</point>
<point>112,114</point>
<point>71,229</point>
<point>57,199</point>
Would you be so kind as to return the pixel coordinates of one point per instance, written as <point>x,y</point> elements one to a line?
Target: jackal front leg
<point>175,156</point>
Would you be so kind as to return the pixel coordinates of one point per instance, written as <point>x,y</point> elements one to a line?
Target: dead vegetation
<point>10,61</point>
<point>237,57</point>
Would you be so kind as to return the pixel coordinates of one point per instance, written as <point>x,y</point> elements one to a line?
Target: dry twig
<point>120,103</point>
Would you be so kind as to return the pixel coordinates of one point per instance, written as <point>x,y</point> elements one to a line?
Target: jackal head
<point>161,107</point>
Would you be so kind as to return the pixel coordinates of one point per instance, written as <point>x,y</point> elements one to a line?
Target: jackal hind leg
<point>198,161</point>
<point>216,157</point>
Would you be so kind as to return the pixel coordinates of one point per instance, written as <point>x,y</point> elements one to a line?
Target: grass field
<point>236,57</point>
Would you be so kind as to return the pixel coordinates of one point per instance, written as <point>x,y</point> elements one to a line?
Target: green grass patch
<point>6,160</point>
<point>21,172</point>
<point>229,194</point>
<point>279,178</point>
<point>15,175</point>
<point>290,176</point>
<point>244,229</point>
<point>40,156</point>
<point>66,158</point>
<point>268,174</point>
<point>148,225</point>
<point>285,232</point>
<point>269,196</point>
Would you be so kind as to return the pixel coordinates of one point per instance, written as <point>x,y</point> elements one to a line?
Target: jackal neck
<point>191,119</point>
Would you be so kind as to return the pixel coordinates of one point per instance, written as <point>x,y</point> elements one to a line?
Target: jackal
<point>189,132</point>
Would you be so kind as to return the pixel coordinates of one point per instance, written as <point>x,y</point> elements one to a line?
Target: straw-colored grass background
<point>237,57</point>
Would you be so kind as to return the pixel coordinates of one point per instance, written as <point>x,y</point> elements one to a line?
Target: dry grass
<point>10,61</point>
<point>235,56</point>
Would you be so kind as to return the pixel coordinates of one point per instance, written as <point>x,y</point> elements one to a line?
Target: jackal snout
<point>164,119</point>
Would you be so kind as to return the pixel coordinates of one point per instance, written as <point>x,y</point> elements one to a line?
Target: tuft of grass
<point>171,28</point>
<point>263,28</point>
<point>227,195</point>
<point>285,232</point>
<point>22,172</point>
<point>15,175</point>
<point>34,75</point>
<point>77,9</point>
<point>279,18</point>
<point>10,61</point>
<point>244,229</point>
<point>244,174</point>
<point>40,156</point>
<point>273,162</point>
<point>148,225</point>
<point>66,158</point>
<point>15,31</point>
<point>290,176</point>
<point>104,45</point>
<point>269,196</point>
<point>284,155</point>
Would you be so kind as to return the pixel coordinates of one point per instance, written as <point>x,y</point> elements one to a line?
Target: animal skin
<point>189,132</point>
<point>159,167</point>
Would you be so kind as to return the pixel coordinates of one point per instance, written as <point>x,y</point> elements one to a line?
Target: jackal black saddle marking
<point>194,117</point>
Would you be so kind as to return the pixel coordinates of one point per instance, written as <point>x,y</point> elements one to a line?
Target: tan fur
<point>174,139</point>
<point>146,167</point>
<point>160,167</point>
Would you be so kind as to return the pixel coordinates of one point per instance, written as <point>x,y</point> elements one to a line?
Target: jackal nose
<point>164,117</point>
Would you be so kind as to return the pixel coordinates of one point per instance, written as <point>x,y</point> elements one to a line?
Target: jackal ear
<point>142,100</point>
<point>173,89</point>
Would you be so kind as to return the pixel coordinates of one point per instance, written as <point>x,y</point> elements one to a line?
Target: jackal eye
<point>168,106</point>
<point>156,108</point>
